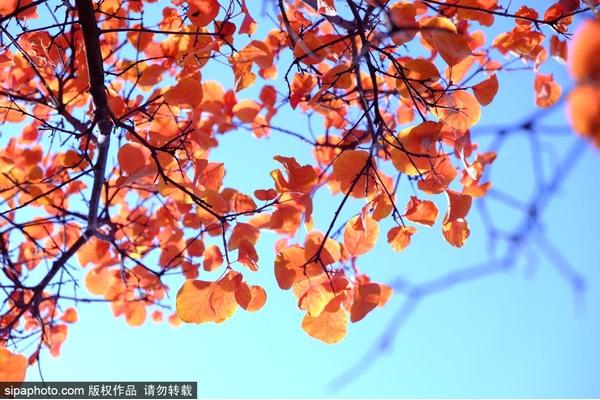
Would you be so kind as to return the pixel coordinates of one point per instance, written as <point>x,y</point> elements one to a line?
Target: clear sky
<point>523,332</point>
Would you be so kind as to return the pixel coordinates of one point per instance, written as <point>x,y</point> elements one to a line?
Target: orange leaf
<point>456,232</point>
<point>210,174</point>
<point>300,178</point>
<point>310,49</point>
<point>98,280</point>
<point>94,251</point>
<point>243,232</point>
<point>255,52</point>
<point>195,247</point>
<point>212,258</point>
<point>246,110</point>
<point>244,77</point>
<point>285,220</point>
<point>150,76</point>
<point>455,228</point>
<point>157,316</point>
<point>399,237</point>
<point>135,313</point>
<point>366,298</point>
<point>584,62</point>
<point>315,299</point>
<point>248,24</point>
<point>288,263</point>
<point>547,91</point>
<point>386,293</point>
<point>170,255</point>
<point>193,301</point>
<point>302,84</point>
<point>247,255</point>
<point>250,298</point>
<point>485,91</point>
<point>527,12</point>
<point>414,147</point>
<point>203,12</point>
<point>418,70</point>
<point>70,315</point>
<point>268,96</point>
<point>584,111</point>
<point>382,206</point>
<point>329,326</point>
<point>8,6</point>
<point>330,252</point>
<point>421,211</point>
<point>133,157</point>
<point>243,203</point>
<point>54,337</point>
<point>469,10</point>
<point>558,49</point>
<point>265,195</point>
<point>459,205</point>
<point>12,366</point>
<point>201,301</point>
<point>139,39</point>
<point>360,235</point>
<point>439,177</point>
<point>174,320</point>
<point>440,33</point>
<point>402,17</point>
<point>187,92</point>
<point>340,76</point>
<point>457,72</point>
<point>459,109</point>
<point>347,168</point>
<point>39,229</point>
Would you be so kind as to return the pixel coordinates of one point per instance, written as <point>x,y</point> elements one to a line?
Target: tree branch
<point>91,34</point>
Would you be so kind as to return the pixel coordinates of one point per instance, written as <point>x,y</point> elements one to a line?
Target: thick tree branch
<point>102,118</point>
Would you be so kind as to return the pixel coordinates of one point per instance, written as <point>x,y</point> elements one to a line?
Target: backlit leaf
<point>456,232</point>
<point>442,35</point>
<point>421,211</point>
<point>399,237</point>
<point>486,90</point>
<point>133,157</point>
<point>12,366</point>
<point>458,109</point>
<point>203,12</point>
<point>547,91</point>
<point>187,93</point>
<point>351,170</point>
<point>213,258</point>
<point>328,327</point>
<point>202,301</point>
<point>360,235</point>
<point>250,298</point>
<point>366,298</point>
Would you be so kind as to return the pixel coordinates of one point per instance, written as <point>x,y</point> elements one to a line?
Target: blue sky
<point>520,333</point>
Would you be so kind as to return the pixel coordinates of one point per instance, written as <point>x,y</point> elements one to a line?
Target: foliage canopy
<point>109,121</point>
